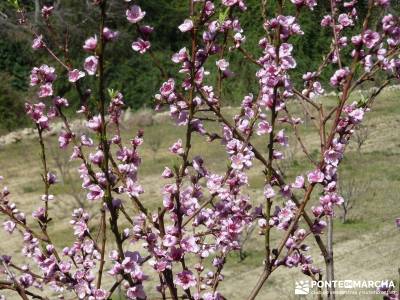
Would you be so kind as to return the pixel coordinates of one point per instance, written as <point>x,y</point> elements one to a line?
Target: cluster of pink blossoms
<point>43,76</point>
<point>135,15</point>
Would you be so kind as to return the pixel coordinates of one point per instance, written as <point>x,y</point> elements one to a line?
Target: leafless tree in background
<point>361,135</point>
<point>350,189</point>
<point>245,237</point>
<point>62,164</point>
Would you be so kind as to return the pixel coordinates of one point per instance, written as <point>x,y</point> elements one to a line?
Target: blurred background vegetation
<point>135,75</point>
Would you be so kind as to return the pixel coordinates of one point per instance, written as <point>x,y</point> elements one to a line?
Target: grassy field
<point>366,246</point>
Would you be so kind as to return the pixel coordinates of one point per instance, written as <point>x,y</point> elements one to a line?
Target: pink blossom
<point>332,157</point>
<point>95,192</point>
<point>345,20</point>
<point>110,35</point>
<point>136,292</point>
<point>160,265</point>
<point>64,139</point>
<point>185,279</point>
<point>284,216</point>
<point>299,182</point>
<point>176,148</point>
<point>237,161</point>
<point>370,38</point>
<point>39,214</point>
<point>381,54</point>
<point>198,165</point>
<point>135,14</point>
<point>318,226</point>
<point>326,21</point>
<point>116,269</point>
<point>244,125</point>
<point>277,154</point>
<point>133,189</point>
<point>356,40</point>
<point>209,8</point>
<point>263,128</point>
<point>38,43</point>
<point>36,113</point>
<point>100,294</point>
<point>293,260</point>
<point>75,75</point>
<point>90,44</point>
<point>286,191</point>
<point>167,88</point>
<point>26,280</point>
<point>198,126</point>
<point>262,223</point>
<point>317,88</point>
<point>145,30</point>
<point>239,39</point>
<point>47,198</point>
<point>189,244</point>
<point>310,3</point>
<point>315,176</point>
<point>212,296</point>
<point>51,178</point>
<point>95,123</point>
<point>82,289</point>
<point>167,173</point>
<point>175,253</point>
<point>281,138</point>
<point>170,240</point>
<point>356,116</point>
<point>141,46</point>
<point>229,2</point>
<point>186,25</point>
<point>97,158</point>
<point>308,76</point>
<point>45,90</point>
<point>339,77</point>
<point>47,11</point>
<point>384,3</point>
<point>80,228</point>
<point>60,102</point>
<point>181,56</point>
<point>90,64</point>
<point>131,261</point>
<point>388,23</point>
<point>222,64</point>
<point>9,226</point>
<point>269,191</point>
<point>65,266</point>
<point>86,141</point>
<point>330,171</point>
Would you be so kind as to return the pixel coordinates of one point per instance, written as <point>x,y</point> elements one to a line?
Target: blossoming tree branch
<point>202,213</point>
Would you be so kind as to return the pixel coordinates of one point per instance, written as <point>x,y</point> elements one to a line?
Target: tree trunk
<point>37,11</point>
<point>330,276</point>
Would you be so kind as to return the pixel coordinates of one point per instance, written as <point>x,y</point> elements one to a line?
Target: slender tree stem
<point>330,275</point>
<point>103,229</point>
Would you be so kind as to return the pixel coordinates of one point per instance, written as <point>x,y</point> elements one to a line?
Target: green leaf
<point>14,3</point>
<point>112,93</point>
<point>362,102</point>
<point>222,15</point>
